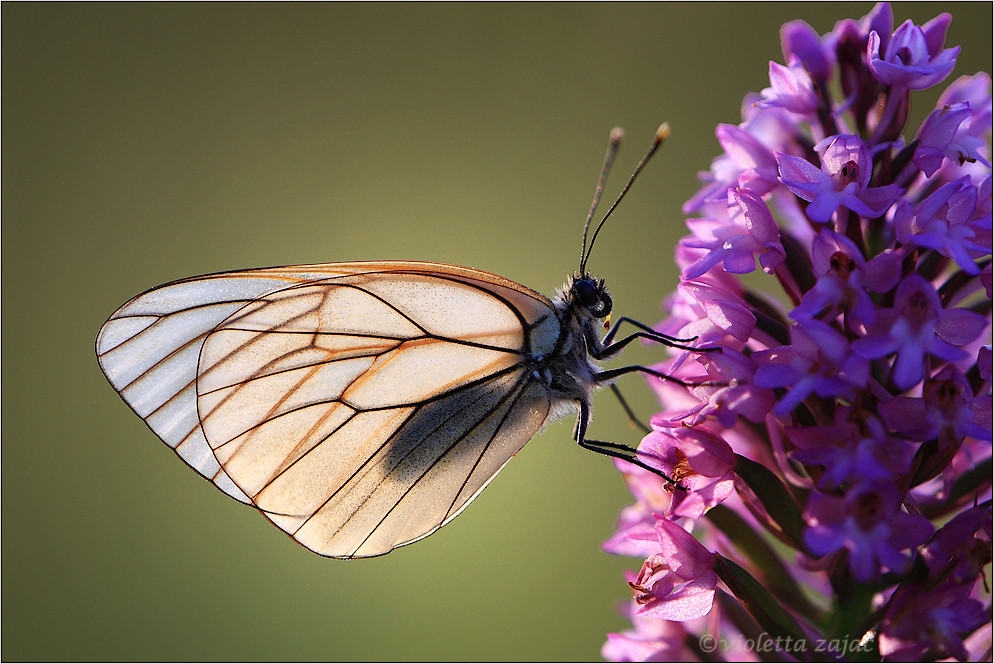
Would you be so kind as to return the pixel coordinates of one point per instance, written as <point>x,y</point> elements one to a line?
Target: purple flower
<point>677,583</point>
<point>698,460</point>
<point>918,326</point>
<point>985,362</point>
<point>790,88</point>
<point>946,410</point>
<point>930,625</point>
<point>943,222</point>
<point>843,180</point>
<point>748,232</point>
<point>857,448</point>
<point>845,279</point>
<point>799,40</point>
<point>940,137</point>
<point>839,399</point>
<point>710,313</point>
<point>879,20</point>
<point>961,548</point>
<point>869,524</point>
<point>747,162</point>
<point>982,218</point>
<point>975,92</point>
<point>914,57</point>
<point>725,391</point>
<point>818,361</point>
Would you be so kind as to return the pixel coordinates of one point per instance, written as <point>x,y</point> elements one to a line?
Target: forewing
<point>359,406</point>
<point>149,350</point>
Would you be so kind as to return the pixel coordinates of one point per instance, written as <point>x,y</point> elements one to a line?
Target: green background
<point>144,143</point>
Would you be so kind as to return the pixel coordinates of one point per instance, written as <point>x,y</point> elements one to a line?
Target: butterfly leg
<point>612,347</point>
<point>632,417</point>
<point>663,338</point>
<point>611,374</point>
<point>615,450</point>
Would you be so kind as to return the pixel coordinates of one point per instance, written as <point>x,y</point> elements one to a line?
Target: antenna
<point>614,142</point>
<point>662,133</point>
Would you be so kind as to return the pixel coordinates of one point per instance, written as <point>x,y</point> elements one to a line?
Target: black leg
<point>615,450</point>
<point>628,410</point>
<point>608,374</point>
<point>612,347</point>
<point>609,337</point>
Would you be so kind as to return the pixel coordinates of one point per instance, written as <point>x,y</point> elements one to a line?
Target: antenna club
<point>617,134</point>
<point>663,132</point>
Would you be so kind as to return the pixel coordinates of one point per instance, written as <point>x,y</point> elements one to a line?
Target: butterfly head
<point>589,296</point>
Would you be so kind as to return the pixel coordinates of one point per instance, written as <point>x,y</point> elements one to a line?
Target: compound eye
<point>592,296</point>
<point>603,307</point>
<point>586,292</point>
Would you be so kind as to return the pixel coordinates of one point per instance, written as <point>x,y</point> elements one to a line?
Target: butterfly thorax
<point>581,306</point>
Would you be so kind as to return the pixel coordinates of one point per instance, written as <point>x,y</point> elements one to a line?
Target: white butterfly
<point>361,406</point>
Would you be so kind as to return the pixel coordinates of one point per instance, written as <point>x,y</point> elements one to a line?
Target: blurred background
<point>147,142</point>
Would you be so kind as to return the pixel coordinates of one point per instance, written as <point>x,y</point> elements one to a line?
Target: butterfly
<point>361,406</point>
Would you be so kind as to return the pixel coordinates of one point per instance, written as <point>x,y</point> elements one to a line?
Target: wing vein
<point>517,391</point>
<point>258,375</point>
<point>400,460</point>
<point>321,442</point>
<point>416,405</point>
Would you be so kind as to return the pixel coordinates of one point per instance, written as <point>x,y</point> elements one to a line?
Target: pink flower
<point>677,583</point>
<point>698,460</point>
<point>650,641</point>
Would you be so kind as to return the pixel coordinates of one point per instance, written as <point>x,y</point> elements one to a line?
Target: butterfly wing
<point>149,350</point>
<point>359,406</point>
